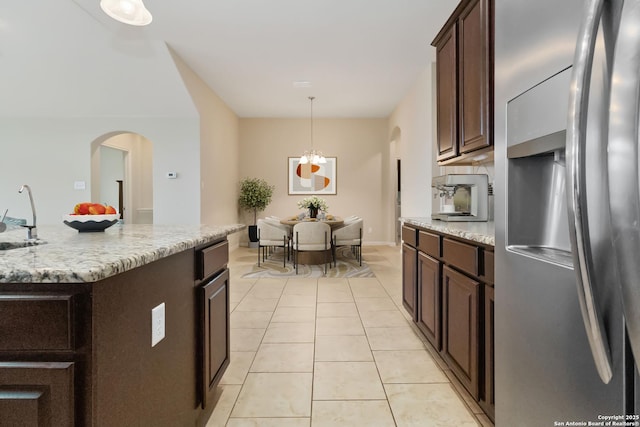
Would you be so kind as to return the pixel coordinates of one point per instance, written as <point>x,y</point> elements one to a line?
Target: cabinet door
<point>36,394</point>
<point>409,278</point>
<point>429,304</point>
<point>474,78</point>
<point>489,399</point>
<point>460,329</point>
<point>447,95</point>
<point>215,333</point>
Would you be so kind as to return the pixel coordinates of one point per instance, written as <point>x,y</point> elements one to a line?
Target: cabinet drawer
<point>489,266</point>
<point>429,243</point>
<point>37,394</point>
<point>212,259</point>
<point>36,322</point>
<point>410,236</point>
<point>461,255</point>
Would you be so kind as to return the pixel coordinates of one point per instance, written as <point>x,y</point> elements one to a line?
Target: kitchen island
<point>123,327</point>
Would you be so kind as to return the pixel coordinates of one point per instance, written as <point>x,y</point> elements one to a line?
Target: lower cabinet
<point>429,306</point>
<point>460,332</point>
<point>409,278</point>
<point>37,394</point>
<point>214,306</point>
<point>447,287</point>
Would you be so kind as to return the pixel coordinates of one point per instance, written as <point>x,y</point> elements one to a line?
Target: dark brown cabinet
<point>409,278</point>
<point>35,394</point>
<point>460,327</point>
<point>464,64</point>
<point>447,94</point>
<point>429,306</point>
<point>81,354</point>
<point>213,303</point>
<point>452,281</point>
<point>215,333</point>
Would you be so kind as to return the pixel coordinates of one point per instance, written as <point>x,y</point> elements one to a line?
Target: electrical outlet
<point>157,324</point>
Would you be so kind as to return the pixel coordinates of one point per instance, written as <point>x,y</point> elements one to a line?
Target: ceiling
<point>360,56</point>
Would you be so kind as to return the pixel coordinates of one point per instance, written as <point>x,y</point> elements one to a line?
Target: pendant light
<point>312,156</point>
<point>130,12</point>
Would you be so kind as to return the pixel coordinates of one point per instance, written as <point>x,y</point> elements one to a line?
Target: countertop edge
<point>50,262</point>
<point>480,232</point>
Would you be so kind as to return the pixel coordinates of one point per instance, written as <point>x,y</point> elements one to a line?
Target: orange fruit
<point>97,209</point>
<point>82,208</point>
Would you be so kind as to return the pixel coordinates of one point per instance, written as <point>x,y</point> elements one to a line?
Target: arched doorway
<point>121,166</point>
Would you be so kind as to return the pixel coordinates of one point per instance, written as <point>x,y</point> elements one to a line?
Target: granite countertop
<point>481,232</point>
<point>72,257</point>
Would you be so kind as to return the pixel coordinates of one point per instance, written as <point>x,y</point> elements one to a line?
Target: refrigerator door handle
<point>624,194</point>
<point>576,191</point>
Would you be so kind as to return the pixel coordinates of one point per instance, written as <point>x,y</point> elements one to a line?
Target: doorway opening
<point>395,182</point>
<point>122,175</point>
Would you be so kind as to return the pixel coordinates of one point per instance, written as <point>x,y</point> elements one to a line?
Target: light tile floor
<point>333,352</point>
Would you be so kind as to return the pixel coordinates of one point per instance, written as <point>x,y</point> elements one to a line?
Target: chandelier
<point>312,156</point>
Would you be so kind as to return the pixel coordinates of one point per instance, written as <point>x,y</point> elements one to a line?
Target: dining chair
<point>271,236</point>
<point>349,235</point>
<point>311,236</point>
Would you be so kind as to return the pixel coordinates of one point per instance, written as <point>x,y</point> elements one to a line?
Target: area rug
<point>346,266</point>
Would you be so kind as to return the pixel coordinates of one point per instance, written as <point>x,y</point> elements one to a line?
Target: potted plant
<point>314,204</point>
<point>255,195</point>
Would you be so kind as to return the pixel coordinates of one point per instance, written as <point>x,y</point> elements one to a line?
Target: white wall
<point>50,154</point>
<point>414,117</point>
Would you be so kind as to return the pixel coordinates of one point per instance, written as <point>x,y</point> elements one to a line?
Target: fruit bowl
<point>90,223</point>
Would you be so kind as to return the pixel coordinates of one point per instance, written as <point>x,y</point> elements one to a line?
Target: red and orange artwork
<point>311,177</point>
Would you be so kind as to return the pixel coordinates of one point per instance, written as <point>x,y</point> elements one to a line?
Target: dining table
<point>333,221</point>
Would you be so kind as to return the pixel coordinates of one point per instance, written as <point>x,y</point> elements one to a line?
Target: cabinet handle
<point>575,187</point>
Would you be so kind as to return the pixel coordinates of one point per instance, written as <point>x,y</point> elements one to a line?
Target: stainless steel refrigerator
<point>567,212</point>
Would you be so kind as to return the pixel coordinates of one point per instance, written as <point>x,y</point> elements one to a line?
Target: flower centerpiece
<point>314,204</point>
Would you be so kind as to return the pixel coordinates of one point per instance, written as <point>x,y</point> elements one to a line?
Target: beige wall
<point>219,154</point>
<point>362,152</point>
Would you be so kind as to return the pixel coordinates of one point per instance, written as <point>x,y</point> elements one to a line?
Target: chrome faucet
<point>32,232</point>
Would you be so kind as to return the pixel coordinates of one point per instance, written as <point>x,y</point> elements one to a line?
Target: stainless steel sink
<point>5,246</point>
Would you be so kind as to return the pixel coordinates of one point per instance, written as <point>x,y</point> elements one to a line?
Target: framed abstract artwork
<point>313,179</point>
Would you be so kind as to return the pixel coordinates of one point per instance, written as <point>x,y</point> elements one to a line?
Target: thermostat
<point>172,175</point>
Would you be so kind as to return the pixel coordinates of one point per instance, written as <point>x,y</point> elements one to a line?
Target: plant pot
<point>253,233</point>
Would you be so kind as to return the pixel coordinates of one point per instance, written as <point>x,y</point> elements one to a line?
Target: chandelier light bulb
<point>131,12</point>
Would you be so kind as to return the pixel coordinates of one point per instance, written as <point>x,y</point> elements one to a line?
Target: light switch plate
<point>157,324</point>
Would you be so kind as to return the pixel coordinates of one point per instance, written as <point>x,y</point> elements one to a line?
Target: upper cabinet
<point>464,55</point>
